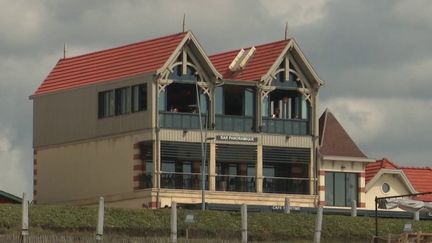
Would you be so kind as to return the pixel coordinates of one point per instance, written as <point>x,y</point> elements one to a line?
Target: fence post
<point>287,208</point>
<point>318,225</point>
<point>416,215</point>
<point>353,208</point>
<point>244,223</point>
<point>25,221</point>
<point>173,222</point>
<point>100,222</point>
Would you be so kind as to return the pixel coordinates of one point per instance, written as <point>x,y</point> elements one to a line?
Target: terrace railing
<point>178,180</point>
<point>235,183</point>
<point>181,120</point>
<point>285,126</point>
<point>285,185</point>
<point>235,123</point>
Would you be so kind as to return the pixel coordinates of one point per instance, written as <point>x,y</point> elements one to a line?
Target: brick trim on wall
<point>34,174</point>
<point>138,166</point>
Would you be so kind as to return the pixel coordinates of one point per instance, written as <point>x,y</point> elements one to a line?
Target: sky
<point>374,56</point>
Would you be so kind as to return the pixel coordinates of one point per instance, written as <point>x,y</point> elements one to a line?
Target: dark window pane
<point>329,188</point>
<point>123,100</point>
<point>233,100</point>
<point>219,100</point>
<point>139,97</point>
<point>106,103</point>
<point>339,182</point>
<point>249,102</point>
<point>351,188</point>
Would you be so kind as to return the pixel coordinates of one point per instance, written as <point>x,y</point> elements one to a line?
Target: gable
<point>189,54</point>
<point>334,140</point>
<point>292,61</point>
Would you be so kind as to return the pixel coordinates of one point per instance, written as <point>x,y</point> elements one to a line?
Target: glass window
<point>106,103</point>
<point>265,107</point>
<point>219,100</point>
<point>139,97</point>
<point>304,108</point>
<point>249,102</point>
<point>329,189</point>
<point>162,101</point>
<point>123,100</point>
<point>341,188</point>
<point>385,187</point>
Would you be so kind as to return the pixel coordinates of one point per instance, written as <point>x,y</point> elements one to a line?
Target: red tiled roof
<point>124,61</point>
<point>373,168</point>
<point>419,177</point>
<point>264,57</point>
<point>334,140</point>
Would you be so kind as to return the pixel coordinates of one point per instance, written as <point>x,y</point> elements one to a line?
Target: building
<point>8,198</point>
<point>134,123</point>
<point>385,178</point>
<point>342,167</point>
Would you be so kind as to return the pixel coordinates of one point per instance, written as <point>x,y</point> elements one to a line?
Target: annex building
<point>134,124</point>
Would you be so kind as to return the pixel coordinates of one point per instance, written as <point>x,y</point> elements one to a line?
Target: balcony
<point>285,126</point>
<point>181,120</point>
<point>235,123</point>
<point>285,185</point>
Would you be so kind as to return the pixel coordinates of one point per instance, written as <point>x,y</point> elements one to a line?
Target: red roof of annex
<point>419,177</point>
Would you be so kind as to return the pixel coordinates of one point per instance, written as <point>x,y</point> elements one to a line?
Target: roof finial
<point>184,22</point>
<point>286,30</point>
<point>64,50</point>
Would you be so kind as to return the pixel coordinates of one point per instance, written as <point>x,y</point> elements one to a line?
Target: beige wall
<point>72,115</point>
<point>78,171</point>
<point>397,187</point>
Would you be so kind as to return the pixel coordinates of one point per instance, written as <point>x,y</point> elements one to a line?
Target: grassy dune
<point>210,224</point>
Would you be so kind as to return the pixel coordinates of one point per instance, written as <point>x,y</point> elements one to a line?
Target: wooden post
<point>287,208</point>
<point>25,221</point>
<point>416,215</point>
<point>244,223</point>
<point>173,222</point>
<point>318,225</point>
<point>100,222</point>
<point>354,208</point>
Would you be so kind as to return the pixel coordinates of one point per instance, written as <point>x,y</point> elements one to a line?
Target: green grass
<point>209,225</point>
